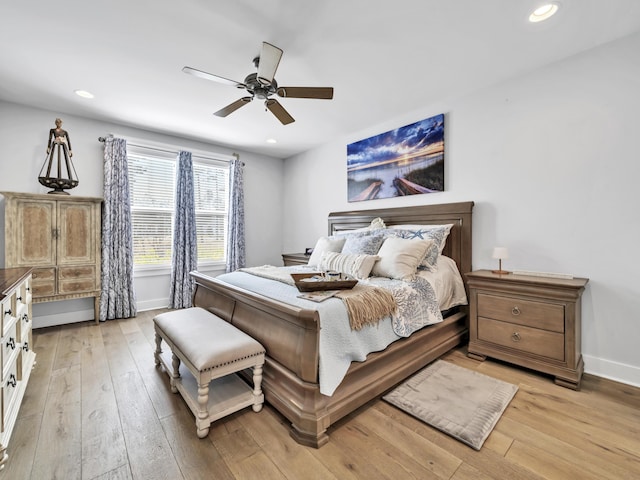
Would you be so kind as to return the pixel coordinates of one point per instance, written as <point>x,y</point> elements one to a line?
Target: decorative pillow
<point>400,257</point>
<point>325,244</point>
<point>437,233</point>
<point>367,243</point>
<point>358,266</point>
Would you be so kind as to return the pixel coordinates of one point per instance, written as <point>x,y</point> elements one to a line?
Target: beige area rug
<point>460,402</point>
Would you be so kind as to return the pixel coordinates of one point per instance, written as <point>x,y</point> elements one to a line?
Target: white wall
<point>551,160</point>
<point>24,132</point>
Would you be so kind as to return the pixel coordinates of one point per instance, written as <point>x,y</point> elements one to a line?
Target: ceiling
<point>383,59</point>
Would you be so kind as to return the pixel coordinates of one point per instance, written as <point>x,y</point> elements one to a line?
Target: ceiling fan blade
<point>211,76</point>
<point>279,111</point>
<point>325,93</point>
<point>232,107</point>
<point>268,63</point>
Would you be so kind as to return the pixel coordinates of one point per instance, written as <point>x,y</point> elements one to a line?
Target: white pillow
<point>325,244</point>
<point>400,257</point>
<point>358,266</point>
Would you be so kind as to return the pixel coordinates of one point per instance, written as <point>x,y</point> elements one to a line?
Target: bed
<point>290,334</point>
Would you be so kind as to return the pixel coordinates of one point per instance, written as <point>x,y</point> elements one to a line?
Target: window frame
<point>169,152</point>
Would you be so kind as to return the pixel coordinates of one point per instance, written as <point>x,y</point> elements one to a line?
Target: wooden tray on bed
<point>318,286</point>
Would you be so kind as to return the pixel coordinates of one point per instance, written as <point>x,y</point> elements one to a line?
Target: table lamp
<point>501,253</point>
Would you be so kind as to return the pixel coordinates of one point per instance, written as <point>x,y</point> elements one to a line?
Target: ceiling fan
<point>262,85</point>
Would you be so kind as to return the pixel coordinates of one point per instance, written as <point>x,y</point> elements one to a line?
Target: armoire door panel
<point>36,220</point>
<point>76,227</point>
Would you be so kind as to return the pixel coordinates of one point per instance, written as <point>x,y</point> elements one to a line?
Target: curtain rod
<point>133,144</point>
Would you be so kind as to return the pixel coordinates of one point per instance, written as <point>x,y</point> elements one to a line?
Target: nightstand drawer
<point>546,316</point>
<point>521,338</point>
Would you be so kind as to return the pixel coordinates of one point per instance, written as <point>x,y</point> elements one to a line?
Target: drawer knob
<point>515,310</point>
<point>7,312</point>
<point>515,336</point>
<point>25,346</point>
<point>25,318</point>
<point>12,381</point>
<point>11,343</point>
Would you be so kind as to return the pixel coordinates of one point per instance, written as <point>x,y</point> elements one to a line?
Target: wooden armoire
<point>59,237</point>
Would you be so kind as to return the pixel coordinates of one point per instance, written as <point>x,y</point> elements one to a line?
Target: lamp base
<point>500,272</point>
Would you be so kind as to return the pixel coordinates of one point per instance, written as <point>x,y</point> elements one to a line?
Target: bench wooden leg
<point>257,388</point>
<point>202,420</point>
<point>175,363</point>
<point>156,354</point>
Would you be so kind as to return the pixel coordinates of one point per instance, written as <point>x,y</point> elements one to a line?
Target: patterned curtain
<point>185,248</point>
<point>118,298</point>
<point>235,220</point>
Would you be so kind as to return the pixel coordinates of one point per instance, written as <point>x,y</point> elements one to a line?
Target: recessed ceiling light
<point>84,94</point>
<point>271,140</point>
<point>543,12</point>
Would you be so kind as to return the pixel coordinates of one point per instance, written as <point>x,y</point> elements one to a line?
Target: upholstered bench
<point>206,352</point>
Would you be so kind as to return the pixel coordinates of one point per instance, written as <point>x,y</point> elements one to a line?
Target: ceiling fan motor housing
<point>258,89</point>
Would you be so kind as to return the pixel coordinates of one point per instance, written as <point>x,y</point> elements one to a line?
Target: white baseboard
<point>618,372</point>
<point>152,304</point>
<point>52,320</point>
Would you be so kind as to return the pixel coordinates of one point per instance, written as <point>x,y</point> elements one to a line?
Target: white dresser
<point>16,353</point>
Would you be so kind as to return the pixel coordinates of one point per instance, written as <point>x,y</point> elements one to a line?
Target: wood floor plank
<point>416,450</point>
<point>22,448</point>
<point>566,451</point>
<point>103,447</point>
<point>59,447</point>
<point>120,473</point>
<point>196,457</point>
<point>294,460</point>
<point>546,464</point>
<point>45,345</point>
<point>148,450</point>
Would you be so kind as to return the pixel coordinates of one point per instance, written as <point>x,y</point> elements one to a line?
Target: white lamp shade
<point>500,253</point>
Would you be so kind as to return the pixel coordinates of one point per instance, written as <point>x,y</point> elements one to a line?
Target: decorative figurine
<point>65,176</point>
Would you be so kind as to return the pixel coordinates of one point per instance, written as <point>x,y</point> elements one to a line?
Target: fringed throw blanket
<point>366,305</point>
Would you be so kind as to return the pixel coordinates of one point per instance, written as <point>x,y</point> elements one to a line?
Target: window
<point>152,189</point>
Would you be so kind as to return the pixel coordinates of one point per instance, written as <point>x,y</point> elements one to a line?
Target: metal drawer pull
<point>515,336</point>
<point>25,318</point>
<point>11,343</point>
<point>515,310</point>
<point>25,347</point>
<point>7,312</point>
<point>12,381</point>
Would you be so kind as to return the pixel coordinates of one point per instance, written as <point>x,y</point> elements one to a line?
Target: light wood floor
<point>97,408</point>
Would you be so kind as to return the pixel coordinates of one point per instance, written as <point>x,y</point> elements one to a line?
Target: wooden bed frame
<point>290,334</point>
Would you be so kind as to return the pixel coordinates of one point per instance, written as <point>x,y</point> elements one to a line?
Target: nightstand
<point>530,321</point>
<point>295,259</point>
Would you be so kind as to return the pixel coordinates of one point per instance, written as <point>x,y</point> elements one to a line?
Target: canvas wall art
<point>406,161</point>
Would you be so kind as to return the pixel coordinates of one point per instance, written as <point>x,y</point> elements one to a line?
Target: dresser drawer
<point>7,314</point>
<point>44,282</point>
<point>76,279</point>
<point>546,316</point>
<point>9,348</point>
<point>9,389</point>
<point>522,338</point>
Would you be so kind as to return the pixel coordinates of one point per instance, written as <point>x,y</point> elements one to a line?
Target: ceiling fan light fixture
<point>543,12</point>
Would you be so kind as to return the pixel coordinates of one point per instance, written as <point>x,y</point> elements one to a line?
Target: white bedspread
<point>339,345</point>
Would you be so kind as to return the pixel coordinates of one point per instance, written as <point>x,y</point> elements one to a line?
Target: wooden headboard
<point>458,244</point>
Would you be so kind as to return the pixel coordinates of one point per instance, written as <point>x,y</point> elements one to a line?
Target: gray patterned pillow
<point>365,243</point>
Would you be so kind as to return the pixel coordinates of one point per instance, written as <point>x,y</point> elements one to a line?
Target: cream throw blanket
<point>366,305</point>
